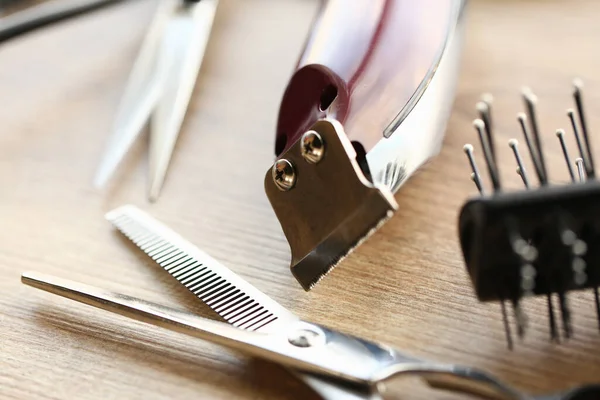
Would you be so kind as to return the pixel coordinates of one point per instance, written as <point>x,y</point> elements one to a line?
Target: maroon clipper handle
<point>362,63</point>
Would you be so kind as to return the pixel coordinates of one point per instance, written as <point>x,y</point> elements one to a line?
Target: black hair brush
<point>541,241</point>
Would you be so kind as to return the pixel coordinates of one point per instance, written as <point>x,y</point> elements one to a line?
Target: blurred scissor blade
<point>179,59</point>
<point>126,133</point>
<point>139,99</point>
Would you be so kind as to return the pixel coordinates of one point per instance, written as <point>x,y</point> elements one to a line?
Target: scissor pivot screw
<point>284,175</point>
<point>312,147</point>
<point>305,338</point>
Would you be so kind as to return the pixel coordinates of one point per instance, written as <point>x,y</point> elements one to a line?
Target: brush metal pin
<point>541,241</point>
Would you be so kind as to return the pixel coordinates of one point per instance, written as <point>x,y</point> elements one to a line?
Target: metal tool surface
<point>226,293</point>
<point>305,347</point>
<point>328,202</point>
<point>336,365</point>
<point>385,70</point>
<point>541,241</point>
<point>234,299</point>
<point>160,86</point>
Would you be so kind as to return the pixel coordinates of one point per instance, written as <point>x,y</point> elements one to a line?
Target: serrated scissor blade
<point>229,295</point>
<point>234,299</point>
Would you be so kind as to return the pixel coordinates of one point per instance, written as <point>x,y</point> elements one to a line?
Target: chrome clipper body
<point>367,106</point>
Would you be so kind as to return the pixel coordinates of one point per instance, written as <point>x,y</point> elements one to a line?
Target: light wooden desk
<point>407,286</point>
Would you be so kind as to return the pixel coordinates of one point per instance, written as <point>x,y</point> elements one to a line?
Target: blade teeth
<point>263,324</point>
<point>219,291</point>
<point>167,257</point>
<point>228,293</point>
<point>252,319</point>
<point>223,296</point>
<point>187,263</point>
<point>190,275</point>
<point>247,316</point>
<point>325,272</point>
<point>218,285</point>
<point>311,284</point>
<point>233,296</point>
<point>256,321</point>
<point>168,264</point>
<point>205,283</point>
<point>243,314</point>
<point>230,310</point>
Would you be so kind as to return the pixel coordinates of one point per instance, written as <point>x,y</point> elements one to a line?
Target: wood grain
<point>406,286</point>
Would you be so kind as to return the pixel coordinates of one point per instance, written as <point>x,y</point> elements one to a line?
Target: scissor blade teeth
<point>229,295</point>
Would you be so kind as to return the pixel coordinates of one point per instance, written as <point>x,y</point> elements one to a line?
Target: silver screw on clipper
<point>312,147</point>
<point>284,175</point>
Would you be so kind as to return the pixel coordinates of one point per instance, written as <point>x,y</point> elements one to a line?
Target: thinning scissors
<point>160,86</point>
<point>335,365</point>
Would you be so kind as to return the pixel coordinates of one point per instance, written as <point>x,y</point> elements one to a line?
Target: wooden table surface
<point>406,286</point>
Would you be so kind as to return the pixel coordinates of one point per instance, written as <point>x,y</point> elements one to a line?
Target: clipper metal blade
<point>325,203</point>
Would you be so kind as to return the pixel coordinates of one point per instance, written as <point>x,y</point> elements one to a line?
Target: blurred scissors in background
<point>161,81</point>
<point>160,86</point>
